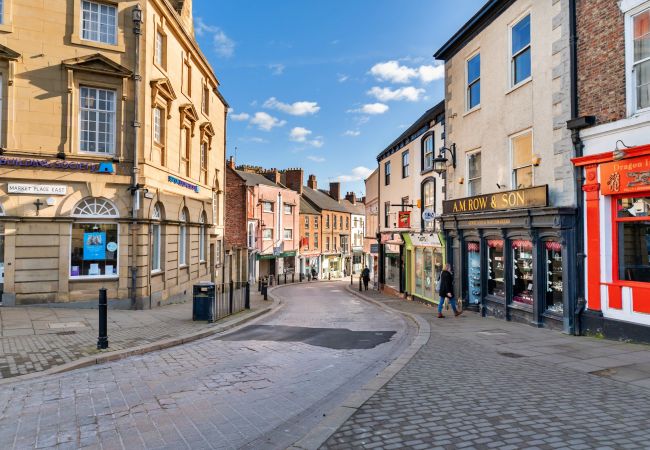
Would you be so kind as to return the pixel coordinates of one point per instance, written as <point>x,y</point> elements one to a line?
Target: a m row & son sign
<point>518,199</point>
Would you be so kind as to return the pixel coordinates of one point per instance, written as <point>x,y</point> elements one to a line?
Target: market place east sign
<point>518,199</point>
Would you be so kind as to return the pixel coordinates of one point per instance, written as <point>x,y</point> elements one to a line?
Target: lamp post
<point>440,162</point>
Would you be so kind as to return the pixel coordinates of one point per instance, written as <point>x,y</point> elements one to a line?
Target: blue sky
<point>325,85</point>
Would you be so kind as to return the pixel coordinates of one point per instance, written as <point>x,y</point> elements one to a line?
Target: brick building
<point>612,139</point>
<point>310,239</point>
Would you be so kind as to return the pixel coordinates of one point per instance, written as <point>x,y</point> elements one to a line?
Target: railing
<point>231,298</point>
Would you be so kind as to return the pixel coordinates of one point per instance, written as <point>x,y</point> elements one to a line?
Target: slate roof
<point>358,210</point>
<point>307,208</point>
<point>320,200</point>
<point>254,179</point>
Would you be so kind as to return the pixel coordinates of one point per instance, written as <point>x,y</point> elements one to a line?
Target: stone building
<point>112,161</point>
<point>510,212</point>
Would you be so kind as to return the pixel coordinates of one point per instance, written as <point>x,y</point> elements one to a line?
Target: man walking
<point>447,291</point>
<point>365,275</point>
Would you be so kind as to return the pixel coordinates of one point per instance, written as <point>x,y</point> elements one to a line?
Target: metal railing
<point>231,298</point>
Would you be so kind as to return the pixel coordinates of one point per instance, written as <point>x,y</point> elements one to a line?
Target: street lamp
<point>440,162</point>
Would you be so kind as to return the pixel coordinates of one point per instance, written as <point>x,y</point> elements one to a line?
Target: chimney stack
<point>294,179</point>
<point>274,175</point>
<point>335,190</point>
<point>311,182</point>
<point>231,162</point>
<point>351,197</point>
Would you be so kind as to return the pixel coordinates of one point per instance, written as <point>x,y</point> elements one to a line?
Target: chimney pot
<point>311,182</point>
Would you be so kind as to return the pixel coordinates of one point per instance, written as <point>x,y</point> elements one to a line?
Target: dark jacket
<point>446,284</point>
<point>365,273</point>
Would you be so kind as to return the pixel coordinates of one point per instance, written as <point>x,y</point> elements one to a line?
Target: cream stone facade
<point>76,215</point>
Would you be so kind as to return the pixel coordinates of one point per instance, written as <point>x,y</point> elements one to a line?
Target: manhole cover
<point>510,355</point>
<point>58,325</point>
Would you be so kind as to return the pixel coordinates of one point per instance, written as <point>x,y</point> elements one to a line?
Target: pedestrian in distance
<point>313,273</point>
<point>446,291</point>
<point>365,275</point>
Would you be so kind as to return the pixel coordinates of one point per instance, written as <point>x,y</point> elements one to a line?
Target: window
<point>473,273</point>
<point>427,153</point>
<point>347,223</point>
<point>341,222</point>
<point>327,243</point>
<point>306,240</point>
<point>641,61</point>
<point>185,150</point>
<point>187,78</point>
<point>97,117</point>
<point>428,201</point>
<point>473,82</point>
<point>183,239</point>
<point>203,235</point>
<point>267,206</point>
<point>288,234</point>
<point>405,164</point>
<point>2,11</point>
<point>522,160</point>
<point>204,162</point>
<point>387,173</point>
<point>158,125</point>
<point>344,244</point>
<point>522,283</point>
<point>316,223</point>
<point>155,239</point>
<point>160,49</point>
<point>554,302</point>
<point>205,100</point>
<point>473,174</point>
<point>267,234</point>
<point>334,221</point>
<point>316,241</point>
<point>99,22</point>
<point>633,230</point>
<point>335,243</point>
<point>94,246</point>
<point>520,51</point>
<point>387,215</point>
<point>288,210</point>
<point>405,203</point>
<point>496,268</point>
<point>306,222</point>
<point>327,221</point>
<point>251,235</point>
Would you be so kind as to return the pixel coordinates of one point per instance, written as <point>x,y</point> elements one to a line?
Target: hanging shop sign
<point>428,214</point>
<point>374,248</point>
<point>518,199</point>
<point>36,189</point>
<point>625,176</point>
<point>404,219</point>
<point>182,183</point>
<point>102,167</point>
<point>425,239</point>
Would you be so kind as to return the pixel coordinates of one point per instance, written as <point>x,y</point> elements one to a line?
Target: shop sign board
<point>517,199</point>
<point>36,189</point>
<point>374,248</point>
<point>625,176</point>
<point>425,239</point>
<point>102,167</point>
<point>404,219</point>
<point>182,183</point>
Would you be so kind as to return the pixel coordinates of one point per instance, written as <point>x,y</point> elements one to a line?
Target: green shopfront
<point>424,260</point>
<point>276,264</point>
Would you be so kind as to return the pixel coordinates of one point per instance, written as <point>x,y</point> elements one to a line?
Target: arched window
<point>428,201</point>
<point>203,238</point>
<point>94,239</point>
<point>183,239</point>
<point>156,216</point>
<point>427,152</point>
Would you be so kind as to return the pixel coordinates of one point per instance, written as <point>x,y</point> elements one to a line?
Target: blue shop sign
<point>102,167</point>
<point>183,183</point>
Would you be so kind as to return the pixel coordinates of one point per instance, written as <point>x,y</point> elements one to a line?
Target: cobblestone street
<point>484,383</point>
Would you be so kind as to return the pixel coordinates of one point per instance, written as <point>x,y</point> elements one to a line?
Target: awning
<point>281,255</point>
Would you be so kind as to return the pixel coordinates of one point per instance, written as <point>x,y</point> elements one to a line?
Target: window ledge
<point>520,85</point>
<point>183,266</point>
<point>426,171</point>
<point>156,272</point>
<point>119,47</point>
<point>96,155</point>
<point>95,278</point>
<point>7,27</point>
<point>473,110</point>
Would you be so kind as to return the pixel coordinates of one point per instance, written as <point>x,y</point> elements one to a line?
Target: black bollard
<point>351,279</point>
<point>259,285</point>
<point>265,291</point>
<point>329,276</point>
<point>102,339</point>
<point>247,300</point>
<point>230,300</point>
<point>293,277</point>
<point>360,284</point>
<point>285,278</point>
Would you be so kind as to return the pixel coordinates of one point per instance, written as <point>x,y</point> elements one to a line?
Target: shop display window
<point>474,273</point>
<point>633,228</point>
<point>496,266</point>
<point>392,271</point>
<point>419,271</point>
<point>94,250</point>
<point>522,262</point>
<point>554,302</point>
<point>429,285</point>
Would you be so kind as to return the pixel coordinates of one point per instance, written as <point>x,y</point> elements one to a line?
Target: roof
<point>254,179</point>
<point>358,209</point>
<point>307,208</point>
<point>418,128</point>
<point>321,200</point>
<point>484,17</point>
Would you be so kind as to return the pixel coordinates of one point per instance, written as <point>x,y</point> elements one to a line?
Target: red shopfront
<point>617,241</point>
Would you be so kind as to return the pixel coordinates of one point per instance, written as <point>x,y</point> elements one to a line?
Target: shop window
<point>474,174</point>
<point>267,234</point>
<point>522,283</point>
<point>428,201</point>
<point>392,271</point>
<point>473,82</point>
<point>474,273</point>
<point>405,164</point>
<point>520,62</point>
<point>419,272</point>
<point>156,216</point>
<point>99,22</point>
<point>496,267</point>
<point>633,228</point>
<point>94,246</point>
<point>522,160</point>
<point>97,120</point>
<point>641,63</point>
<point>183,239</point>
<point>427,153</point>
<point>203,238</point>
<point>554,286</point>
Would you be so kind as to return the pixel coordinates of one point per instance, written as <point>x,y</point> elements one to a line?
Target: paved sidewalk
<point>34,339</point>
<point>486,383</point>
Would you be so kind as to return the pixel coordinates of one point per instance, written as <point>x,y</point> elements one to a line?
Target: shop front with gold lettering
<point>511,253</point>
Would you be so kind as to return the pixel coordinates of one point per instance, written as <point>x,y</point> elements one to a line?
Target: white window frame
<point>429,138</point>
<point>156,243</point>
<point>264,232</point>
<point>467,82</point>
<point>251,234</point>
<point>158,136</point>
<point>511,56</point>
<point>511,139</point>
<point>182,240</point>
<point>159,54</point>
<point>203,229</point>
<point>406,167</point>
<point>480,177</point>
<point>97,111</point>
<point>284,234</point>
<point>264,205</point>
<point>632,8</point>
<point>290,207</point>
<point>81,25</point>
<point>117,263</point>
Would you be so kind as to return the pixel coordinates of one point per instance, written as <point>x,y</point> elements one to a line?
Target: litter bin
<point>203,301</point>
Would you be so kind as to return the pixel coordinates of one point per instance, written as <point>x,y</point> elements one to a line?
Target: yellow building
<point>80,209</point>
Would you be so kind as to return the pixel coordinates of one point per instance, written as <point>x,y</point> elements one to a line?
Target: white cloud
<point>277,69</point>
<point>357,174</point>
<point>371,108</point>
<point>300,134</point>
<point>223,46</point>
<point>295,109</point>
<point>238,117</point>
<point>353,133</point>
<point>342,78</point>
<point>266,121</point>
<point>394,72</point>
<point>254,139</point>
<point>318,159</point>
<point>409,93</point>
